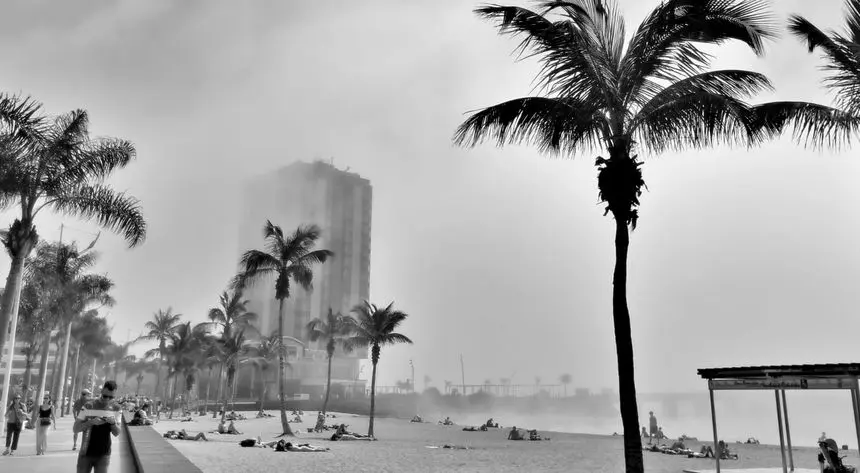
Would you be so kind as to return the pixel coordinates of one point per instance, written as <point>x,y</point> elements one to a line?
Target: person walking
<point>76,409</point>
<point>46,420</point>
<point>653,429</point>
<point>98,420</point>
<point>15,416</point>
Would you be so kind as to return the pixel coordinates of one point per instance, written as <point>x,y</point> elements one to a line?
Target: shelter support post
<point>714,422</point>
<point>781,436</point>
<point>855,397</point>
<point>787,432</point>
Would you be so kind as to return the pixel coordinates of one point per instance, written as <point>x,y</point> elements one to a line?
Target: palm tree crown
<point>333,329</point>
<point>375,327</point>
<point>288,258</point>
<point>232,313</point>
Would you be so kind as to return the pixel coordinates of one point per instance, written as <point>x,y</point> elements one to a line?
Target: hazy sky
<point>741,257</point>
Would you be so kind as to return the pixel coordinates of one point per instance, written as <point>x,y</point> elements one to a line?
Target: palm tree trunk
<point>72,388</point>
<point>218,397</point>
<point>43,375</point>
<point>208,385</point>
<point>230,374</point>
<point>9,312</point>
<point>327,387</point>
<point>624,351</point>
<point>281,366</point>
<point>63,366</point>
<point>372,399</point>
<point>172,392</point>
<point>157,385</point>
<point>93,378</point>
<point>262,387</point>
<point>137,391</point>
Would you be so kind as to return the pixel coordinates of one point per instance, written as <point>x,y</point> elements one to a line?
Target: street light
<point>413,375</point>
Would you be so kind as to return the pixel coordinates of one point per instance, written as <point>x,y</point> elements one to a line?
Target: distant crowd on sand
<point>514,434</point>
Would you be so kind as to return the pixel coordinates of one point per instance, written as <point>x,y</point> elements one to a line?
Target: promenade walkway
<point>60,458</point>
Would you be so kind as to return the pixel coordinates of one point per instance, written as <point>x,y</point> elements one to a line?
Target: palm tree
<point>54,164</point>
<point>161,328</point>
<point>183,357</point>
<point>655,93</point>
<point>375,327</point>
<point>232,351</point>
<point>289,259</point>
<point>565,379</point>
<point>333,330</point>
<point>232,313</point>
<point>265,351</point>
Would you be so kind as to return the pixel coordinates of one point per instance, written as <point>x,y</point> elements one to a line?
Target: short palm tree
<point>265,352</point>
<point>565,379</point>
<point>289,259</point>
<point>333,330</point>
<point>375,327</point>
<point>232,313</point>
<point>54,164</point>
<point>161,328</point>
<point>654,93</point>
<point>232,351</point>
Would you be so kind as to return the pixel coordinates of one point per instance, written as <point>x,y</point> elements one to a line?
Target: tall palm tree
<point>183,355</point>
<point>265,351</point>
<point>161,328</point>
<point>289,259</point>
<point>375,327</point>
<point>334,329</point>
<point>232,351</point>
<point>55,165</point>
<point>654,93</point>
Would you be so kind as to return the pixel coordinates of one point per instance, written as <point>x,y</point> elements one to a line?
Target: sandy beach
<point>402,447</point>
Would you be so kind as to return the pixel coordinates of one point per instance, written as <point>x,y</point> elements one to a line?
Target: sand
<point>402,447</point>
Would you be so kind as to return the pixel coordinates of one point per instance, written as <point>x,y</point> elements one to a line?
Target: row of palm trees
<point>52,163</point>
<point>655,92</point>
<point>229,339</point>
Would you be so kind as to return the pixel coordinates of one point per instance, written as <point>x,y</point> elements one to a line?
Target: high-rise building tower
<point>339,202</point>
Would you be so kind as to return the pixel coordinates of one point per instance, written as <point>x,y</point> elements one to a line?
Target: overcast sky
<point>741,257</point>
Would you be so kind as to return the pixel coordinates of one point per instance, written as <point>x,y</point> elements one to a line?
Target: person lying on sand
<point>350,436</point>
<point>490,424</point>
<point>283,446</point>
<point>472,428</point>
<point>515,434</point>
<point>451,447</point>
<point>535,436</point>
<point>183,435</point>
<point>417,419</point>
<point>262,414</point>
<point>447,421</point>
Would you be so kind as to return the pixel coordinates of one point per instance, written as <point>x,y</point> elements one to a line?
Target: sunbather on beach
<point>303,447</point>
<point>472,428</point>
<point>705,452</point>
<point>447,421</point>
<point>183,435</point>
<point>227,429</point>
<point>515,434</point>
<point>337,437</point>
<point>491,424</point>
<point>535,436</point>
<point>417,419</point>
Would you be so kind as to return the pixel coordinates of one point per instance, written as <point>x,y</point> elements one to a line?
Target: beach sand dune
<point>402,447</point>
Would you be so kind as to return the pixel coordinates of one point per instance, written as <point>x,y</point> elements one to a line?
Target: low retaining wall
<point>152,453</point>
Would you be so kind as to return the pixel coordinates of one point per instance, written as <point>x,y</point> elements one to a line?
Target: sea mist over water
<point>740,414</point>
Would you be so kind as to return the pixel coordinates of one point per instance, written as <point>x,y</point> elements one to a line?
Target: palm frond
<point>21,115</point>
<point>395,338</point>
<point>573,63</point>
<point>254,266</point>
<point>843,61</point>
<point>813,125</point>
<point>663,46</point>
<point>116,211</point>
<point>95,161</point>
<point>552,124</point>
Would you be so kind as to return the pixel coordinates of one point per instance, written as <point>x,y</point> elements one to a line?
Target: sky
<point>741,257</point>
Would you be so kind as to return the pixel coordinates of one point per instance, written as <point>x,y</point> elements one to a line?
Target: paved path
<point>60,458</point>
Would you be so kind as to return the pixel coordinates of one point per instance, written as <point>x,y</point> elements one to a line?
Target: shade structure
<point>779,378</point>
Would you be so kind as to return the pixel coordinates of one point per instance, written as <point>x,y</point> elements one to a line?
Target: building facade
<point>339,202</point>
<point>19,364</point>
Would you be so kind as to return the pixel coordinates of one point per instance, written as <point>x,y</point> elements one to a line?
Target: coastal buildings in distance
<point>339,202</point>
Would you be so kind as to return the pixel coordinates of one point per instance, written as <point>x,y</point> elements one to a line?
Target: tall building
<point>339,202</point>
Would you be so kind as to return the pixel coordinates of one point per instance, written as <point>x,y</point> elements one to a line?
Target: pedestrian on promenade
<point>15,416</point>
<point>76,409</point>
<point>98,420</point>
<point>46,420</point>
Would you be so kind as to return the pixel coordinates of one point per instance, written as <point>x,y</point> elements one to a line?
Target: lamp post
<point>413,374</point>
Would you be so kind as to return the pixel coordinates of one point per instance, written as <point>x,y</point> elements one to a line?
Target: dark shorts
<point>93,464</point>
<point>653,430</point>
